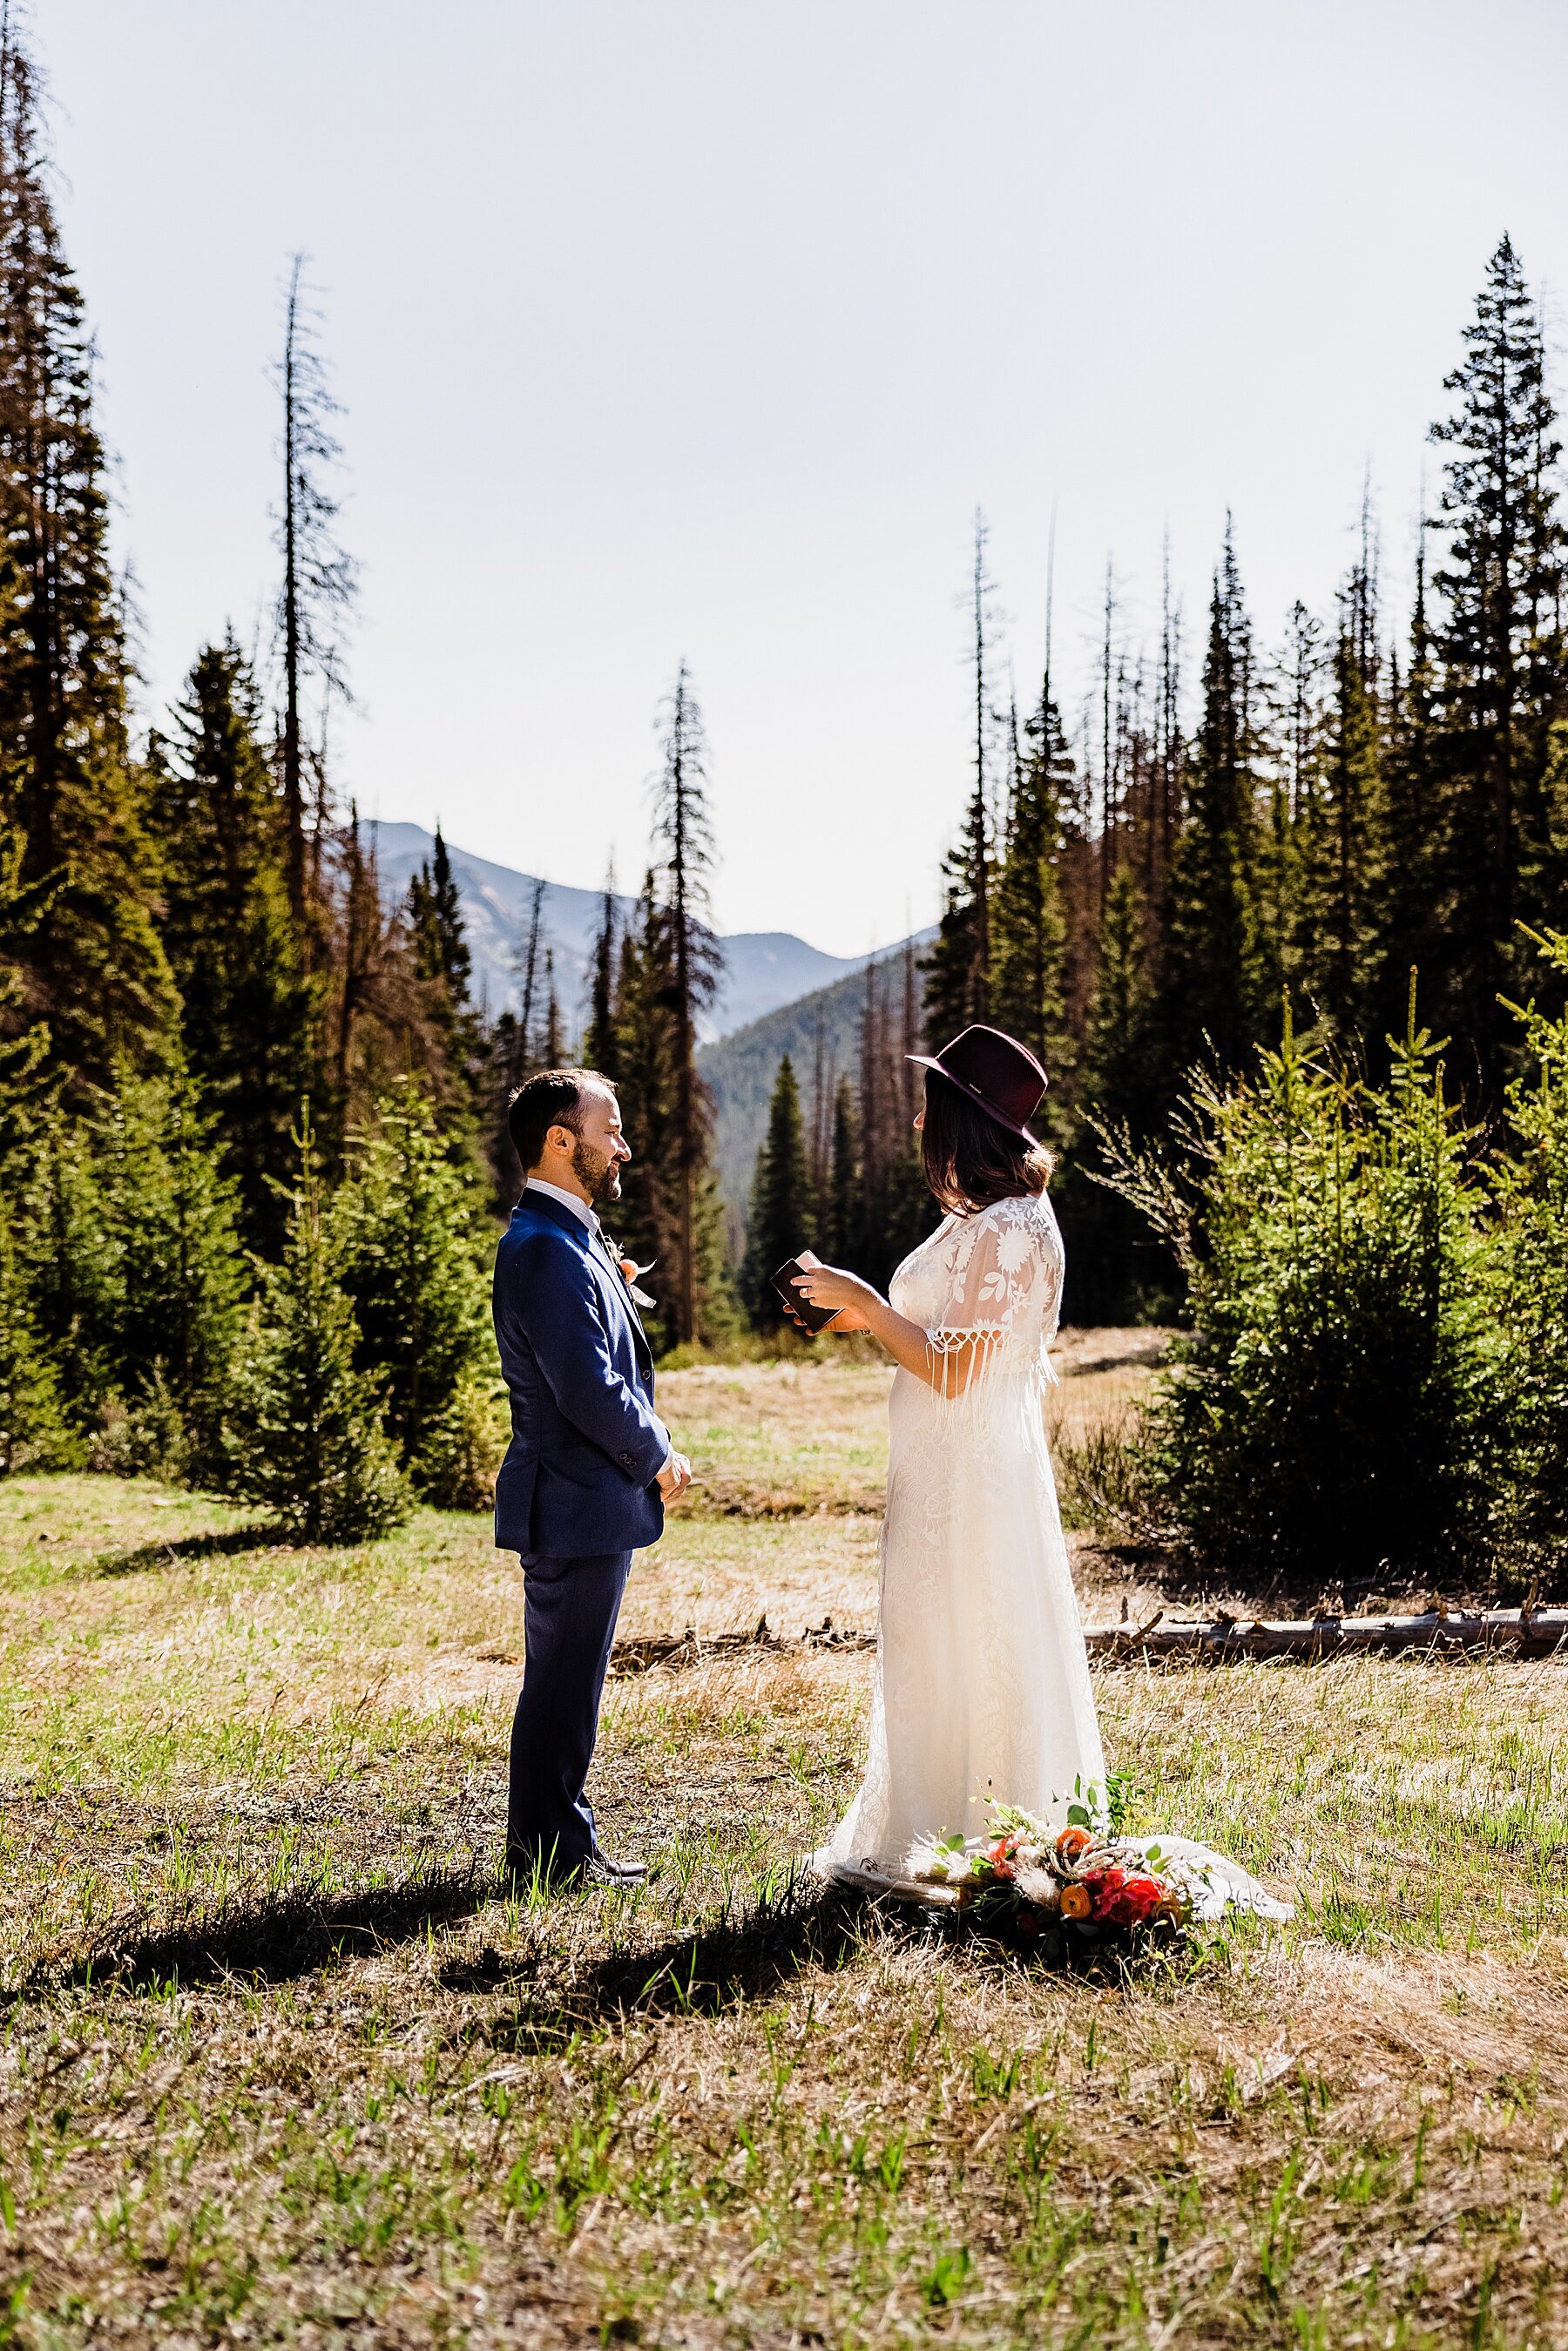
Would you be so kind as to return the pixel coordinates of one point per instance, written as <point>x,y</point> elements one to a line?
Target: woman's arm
<point>947,1366</point>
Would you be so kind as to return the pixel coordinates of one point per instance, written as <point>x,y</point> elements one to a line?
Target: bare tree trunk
<point>293,779</point>
<point>981,982</point>
<point>530,969</point>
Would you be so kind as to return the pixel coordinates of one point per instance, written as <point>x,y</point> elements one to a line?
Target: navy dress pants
<point>569,1607</point>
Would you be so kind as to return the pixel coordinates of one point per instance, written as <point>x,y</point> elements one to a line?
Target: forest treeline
<point>1227,829</point>
<point>252,1121</point>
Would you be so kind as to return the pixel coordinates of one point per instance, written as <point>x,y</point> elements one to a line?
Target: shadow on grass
<point>224,1545</point>
<point>735,1961</point>
<point>281,1938</point>
<point>727,1964</point>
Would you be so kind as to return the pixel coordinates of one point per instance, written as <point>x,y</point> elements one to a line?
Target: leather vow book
<point>811,1318</point>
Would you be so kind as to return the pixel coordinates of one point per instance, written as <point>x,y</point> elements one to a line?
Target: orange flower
<point>1071,1842</point>
<point>1075,1902</point>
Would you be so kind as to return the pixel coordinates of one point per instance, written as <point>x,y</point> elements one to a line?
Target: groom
<point>591,1465</point>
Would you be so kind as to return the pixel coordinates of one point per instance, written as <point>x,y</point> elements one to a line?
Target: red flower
<point>1122,1899</point>
<point>1001,1856</point>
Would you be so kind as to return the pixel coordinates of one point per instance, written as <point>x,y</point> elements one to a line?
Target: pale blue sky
<point>669,326</point>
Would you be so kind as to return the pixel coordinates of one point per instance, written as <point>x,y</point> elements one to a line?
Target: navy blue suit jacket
<point>580,1475</point>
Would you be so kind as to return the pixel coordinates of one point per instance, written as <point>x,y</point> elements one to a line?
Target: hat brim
<point>929,1061</point>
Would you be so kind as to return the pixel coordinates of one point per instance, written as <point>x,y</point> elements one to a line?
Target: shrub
<point>306,1437</point>
<point>1338,1409</point>
<point>464,1446</point>
<point>408,1237</point>
<point>1533,1310</point>
<point>34,1430</point>
<point>127,1224</point>
<point>1101,1476</point>
<point>145,1436</point>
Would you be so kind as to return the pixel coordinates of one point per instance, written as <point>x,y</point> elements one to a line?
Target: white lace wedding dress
<point>982,1684</point>
<point>982,1680</point>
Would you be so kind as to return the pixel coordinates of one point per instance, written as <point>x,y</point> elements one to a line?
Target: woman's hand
<point>845,1294</point>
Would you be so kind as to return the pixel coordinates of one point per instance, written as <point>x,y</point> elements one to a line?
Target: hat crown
<point>991,1064</point>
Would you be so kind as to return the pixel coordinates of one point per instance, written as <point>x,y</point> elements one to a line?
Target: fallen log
<point>1222,1640</point>
<point>1518,1632</point>
<point>675,1651</point>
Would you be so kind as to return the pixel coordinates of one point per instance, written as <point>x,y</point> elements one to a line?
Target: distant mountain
<point>762,969</point>
<point>740,1070</point>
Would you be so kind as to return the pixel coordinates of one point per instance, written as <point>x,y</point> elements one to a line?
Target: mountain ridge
<point>762,970</point>
<point>740,1070</point>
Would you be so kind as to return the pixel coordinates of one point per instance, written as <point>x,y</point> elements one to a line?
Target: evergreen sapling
<point>306,1438</point>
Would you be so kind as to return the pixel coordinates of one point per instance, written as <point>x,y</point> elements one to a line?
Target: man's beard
<point>599,1176</point>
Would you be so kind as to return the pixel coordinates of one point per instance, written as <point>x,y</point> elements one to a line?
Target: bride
<point>982,1682</point>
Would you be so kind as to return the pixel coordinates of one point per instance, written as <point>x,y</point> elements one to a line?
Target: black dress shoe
<point>524,1869</point>
<point>600,1870</point>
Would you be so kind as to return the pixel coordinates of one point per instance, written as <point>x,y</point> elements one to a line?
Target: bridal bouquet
<point>1078,1878</point>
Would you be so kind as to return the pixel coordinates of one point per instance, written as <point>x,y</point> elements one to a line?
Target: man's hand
<point>674,1478</point>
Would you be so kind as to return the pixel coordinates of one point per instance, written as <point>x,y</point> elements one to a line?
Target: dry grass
<point>279,2064</point>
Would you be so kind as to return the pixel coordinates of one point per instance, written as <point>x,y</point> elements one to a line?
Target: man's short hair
<point>549,1098</point>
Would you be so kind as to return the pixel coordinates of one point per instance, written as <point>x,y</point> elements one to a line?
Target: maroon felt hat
<point>994,1072</point>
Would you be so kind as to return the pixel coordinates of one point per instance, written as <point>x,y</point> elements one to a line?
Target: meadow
<point>280,2062</point>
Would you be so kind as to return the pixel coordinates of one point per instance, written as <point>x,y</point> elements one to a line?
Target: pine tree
<point>781,1220</point>
<point>91,964</point>
<point>318,583</point>
<point>1499,657</point>
<point>24,1043</point>
<point>555,1023</point>
<point>641,1063</point>
<point>840,1224</point>
<point>1215,996</point>
<point>511,1057</point>
<point>306,1437</point>
<point>528,965</point>
<point>1336,885</point>
<point>684,832</point>
<point>174,1273</point>
<point>1029,927</point>
<point>248,1010</point>
<point>1410,855</point>
<point>958,968</point>
<point>598,1041</point>
<point>441,955</point>
<point>34,1428</point>
<point>1116,1275</point>
<point>1117,1062</point>
<point>892,1209</point>
<point>379,1021</point>
<point>406,1234</point>
<point>444,965</point>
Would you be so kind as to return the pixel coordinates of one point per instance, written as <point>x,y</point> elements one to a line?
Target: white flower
<point>1039,1887</point>
<point>937,1863</point>
<point>1015,1247</point>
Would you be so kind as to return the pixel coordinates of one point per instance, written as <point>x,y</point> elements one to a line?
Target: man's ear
<point>567,1141</point>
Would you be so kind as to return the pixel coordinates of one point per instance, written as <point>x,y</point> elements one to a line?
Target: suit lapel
<point>629,1307</point>
<point>609,1276</point>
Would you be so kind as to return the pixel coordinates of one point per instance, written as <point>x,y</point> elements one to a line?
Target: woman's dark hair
<point>549,1098</point>
<point>970,1159</point>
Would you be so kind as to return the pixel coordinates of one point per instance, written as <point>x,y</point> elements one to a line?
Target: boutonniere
<point>631,1273</point>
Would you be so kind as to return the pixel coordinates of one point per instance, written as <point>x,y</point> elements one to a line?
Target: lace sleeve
<point>1003,1291</point>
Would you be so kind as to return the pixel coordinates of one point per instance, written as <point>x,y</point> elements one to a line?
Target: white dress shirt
<point>572,1200</point>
